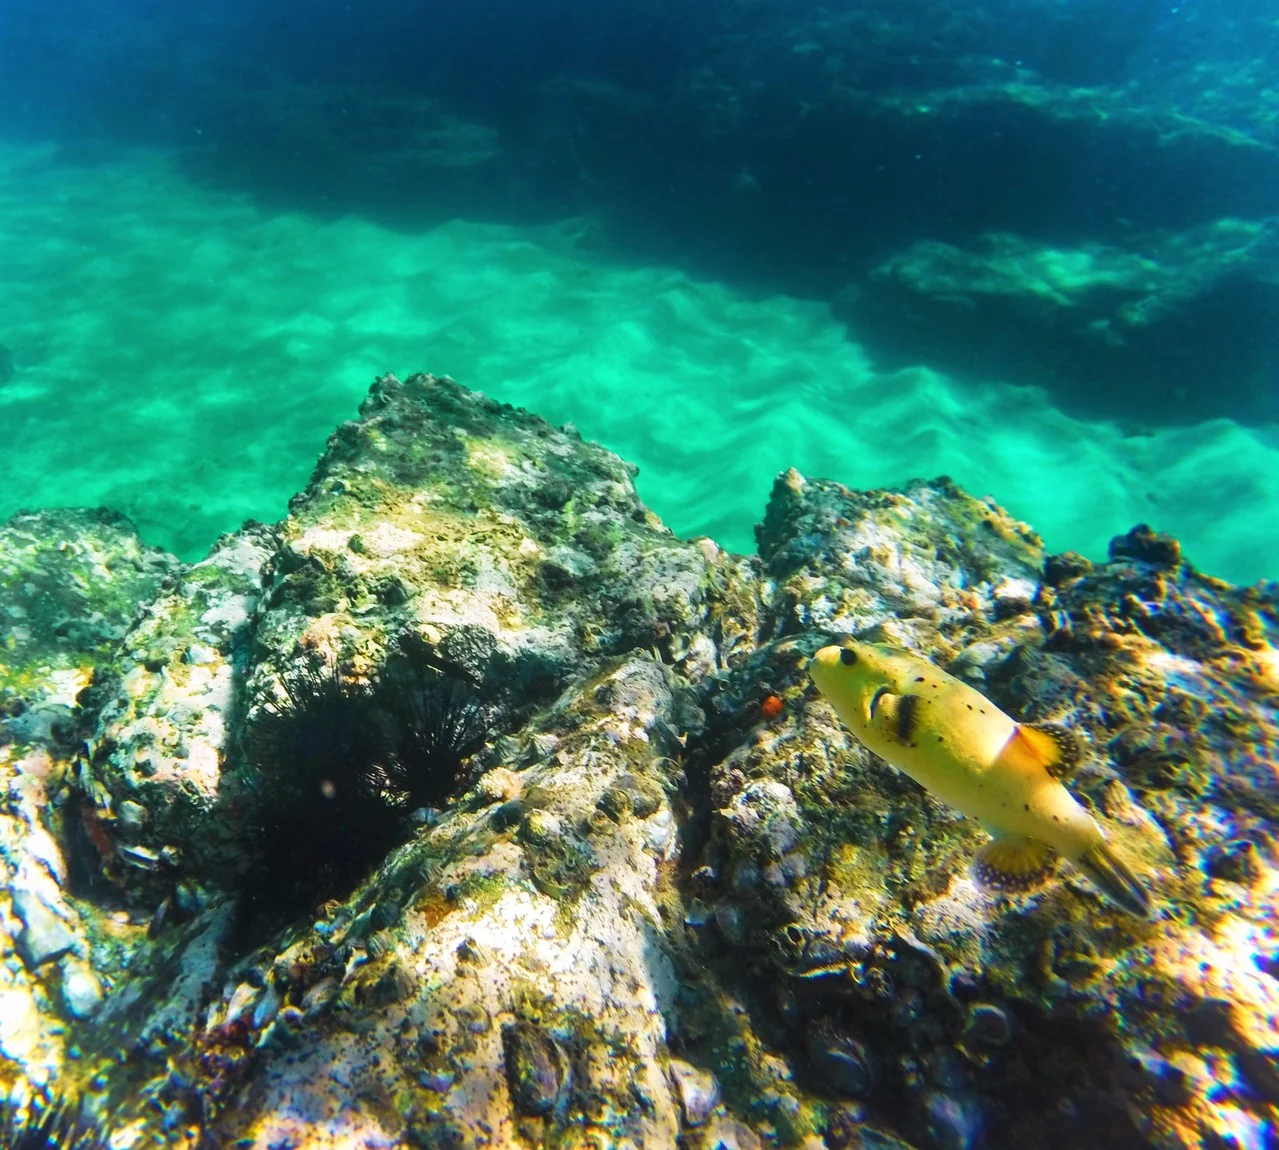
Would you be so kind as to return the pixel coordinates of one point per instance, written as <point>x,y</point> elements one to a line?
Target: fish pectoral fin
<point>896,714</point>
<point>1012,865</point>
<point>1055,749</point>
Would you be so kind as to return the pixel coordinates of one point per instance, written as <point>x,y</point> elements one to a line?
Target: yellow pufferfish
<point>955,742</point>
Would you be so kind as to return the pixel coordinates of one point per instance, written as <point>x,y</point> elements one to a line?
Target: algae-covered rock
<point>443,527</point>
<point>1109,328</point>
<point>71,584</point>
<point>659,894</point>
<point>486,982</point>
<point>515,548</point>
<point>154,772</point>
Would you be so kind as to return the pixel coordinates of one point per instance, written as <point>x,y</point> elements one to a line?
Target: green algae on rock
<point>163,719</point>
<point>71,583</point>
<point>653,911</point>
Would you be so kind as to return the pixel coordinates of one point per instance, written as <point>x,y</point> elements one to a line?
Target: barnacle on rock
<point>561,864</point>
<point>699,1092</point>
<point>394,984</point>
<point>537,1069</point>
<point>842,1063</point>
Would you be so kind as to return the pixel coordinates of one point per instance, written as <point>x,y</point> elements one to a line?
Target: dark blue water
<point>792,147</point>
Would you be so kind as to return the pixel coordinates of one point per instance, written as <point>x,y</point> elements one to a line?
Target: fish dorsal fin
<point>1011,865</point>
<point>899,714</point>
<point>1055,749</point>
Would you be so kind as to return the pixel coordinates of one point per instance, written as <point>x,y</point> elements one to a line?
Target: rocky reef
<point>630,882</point>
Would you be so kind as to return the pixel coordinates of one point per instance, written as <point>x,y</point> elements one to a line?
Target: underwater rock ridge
<point>623,877</point>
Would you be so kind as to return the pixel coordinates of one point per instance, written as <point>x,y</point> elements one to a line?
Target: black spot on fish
<point>969,706</point>
<point>1026,806</point>
<point>920,679</point>
<point>940,739</point>
<point>907,717</point>
<point>847,656</point>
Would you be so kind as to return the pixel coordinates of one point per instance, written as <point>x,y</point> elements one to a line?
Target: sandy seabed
<point>181,354</point>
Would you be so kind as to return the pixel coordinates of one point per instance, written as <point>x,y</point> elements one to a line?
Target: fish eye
<point>847,656</point>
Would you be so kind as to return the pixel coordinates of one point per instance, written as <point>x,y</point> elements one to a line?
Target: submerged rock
<point>667,897</point>
<point>699,1093</point>
<point>43,937</point>
<point>72,582</point>
<point>1113,652</point>
<point>155,771</point>
<point>81,988</point>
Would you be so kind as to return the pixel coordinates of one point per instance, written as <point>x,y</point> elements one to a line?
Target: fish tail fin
<point>1113,878</point>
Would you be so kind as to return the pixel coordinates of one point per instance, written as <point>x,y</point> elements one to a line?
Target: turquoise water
<point>182,355</point>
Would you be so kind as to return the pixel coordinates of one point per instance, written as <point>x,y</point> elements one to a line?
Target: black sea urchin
<point>319,737</point>
<point>435,719</point>
<point>318,824</point>
<point>341,762</point>
<point>58,1126</point>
